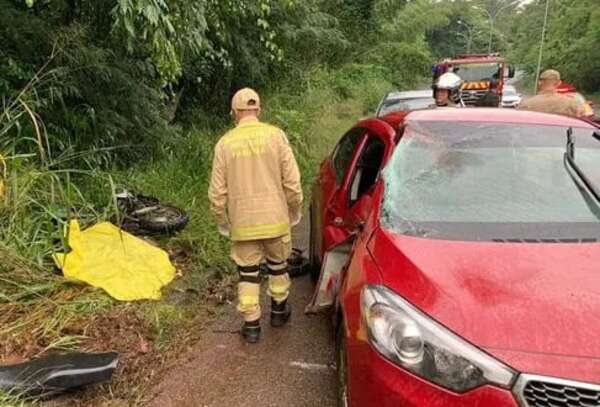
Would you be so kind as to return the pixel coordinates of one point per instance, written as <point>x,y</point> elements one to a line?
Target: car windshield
<point>509,92</point>
<point>398,105</point>
<point>478,72</point>
<point>488,181</point>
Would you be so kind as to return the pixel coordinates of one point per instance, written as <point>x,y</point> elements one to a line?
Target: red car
<point>460,252</point>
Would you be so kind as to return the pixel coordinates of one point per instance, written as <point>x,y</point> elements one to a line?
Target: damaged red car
<point>460,253</point>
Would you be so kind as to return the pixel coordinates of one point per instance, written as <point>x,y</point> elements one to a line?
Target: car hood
<point>510,98</point>
<point>523,297</point>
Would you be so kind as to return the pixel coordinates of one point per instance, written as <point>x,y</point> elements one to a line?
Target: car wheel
<point>314,263</point>
<point>342,368</point>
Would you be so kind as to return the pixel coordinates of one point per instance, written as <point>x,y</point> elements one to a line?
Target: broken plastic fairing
<point>56,374</point>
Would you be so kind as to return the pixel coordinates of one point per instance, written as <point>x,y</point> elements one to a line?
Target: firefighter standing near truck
<point>256,197</point>
<point>548,100</point>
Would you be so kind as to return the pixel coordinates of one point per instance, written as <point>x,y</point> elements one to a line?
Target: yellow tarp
<point>126,267</point>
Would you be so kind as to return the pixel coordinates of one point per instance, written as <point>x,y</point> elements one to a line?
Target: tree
<point>572,31</point>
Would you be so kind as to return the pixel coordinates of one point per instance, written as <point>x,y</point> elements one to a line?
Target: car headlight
<point>410,339</point>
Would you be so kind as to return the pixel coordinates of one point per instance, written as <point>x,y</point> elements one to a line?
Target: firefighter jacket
<point>255,183</point>
<point>551,102</point>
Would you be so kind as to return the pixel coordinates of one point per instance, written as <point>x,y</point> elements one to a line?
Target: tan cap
<point>245,99</point>
<point>550,74</point>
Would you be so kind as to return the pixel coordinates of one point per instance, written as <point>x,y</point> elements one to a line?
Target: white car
<point>510,97</point>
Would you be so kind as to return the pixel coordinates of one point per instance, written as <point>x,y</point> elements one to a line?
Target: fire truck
<point>483,75</point>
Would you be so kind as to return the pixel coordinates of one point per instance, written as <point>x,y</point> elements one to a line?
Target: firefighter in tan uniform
<point>256,197</point>
<point>548,100</point>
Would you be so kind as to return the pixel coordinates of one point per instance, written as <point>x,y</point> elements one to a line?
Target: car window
<point>478,72</point>
<point>488,181</point>
<point>367,168</point>
<point>399,105</point>
<point>345,151</point>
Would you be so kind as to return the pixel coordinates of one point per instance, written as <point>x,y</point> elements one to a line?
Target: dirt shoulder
<point>291,366</point>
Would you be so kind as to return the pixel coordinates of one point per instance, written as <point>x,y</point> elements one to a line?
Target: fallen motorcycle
<point>147,214</point>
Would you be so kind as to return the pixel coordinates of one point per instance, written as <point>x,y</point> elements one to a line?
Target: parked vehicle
<point>483,75</point>
<point>459,253</point>
<point>510,97</point>
<point>404,101</point>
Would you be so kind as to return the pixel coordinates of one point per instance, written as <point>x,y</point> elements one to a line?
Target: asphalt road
<point>292,366</point>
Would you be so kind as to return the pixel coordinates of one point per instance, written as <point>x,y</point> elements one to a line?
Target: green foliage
<point>329,103</point>
<point>411,22</point>
<point>166,30</point>
<point>86,97</point>
<point>573,29</point>
<point>136,92</point>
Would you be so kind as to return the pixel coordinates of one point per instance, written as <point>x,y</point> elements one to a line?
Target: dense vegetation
<point>100,93</point>
<point>573,29</point>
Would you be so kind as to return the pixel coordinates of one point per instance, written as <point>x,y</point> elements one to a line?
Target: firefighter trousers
<point>248,256</point>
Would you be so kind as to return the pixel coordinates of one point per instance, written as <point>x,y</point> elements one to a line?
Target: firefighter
<point>256,197</point>
<point>446,90</point>
<point>548,100</point>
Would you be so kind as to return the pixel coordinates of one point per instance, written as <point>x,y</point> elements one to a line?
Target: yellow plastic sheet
<point>126,267</point>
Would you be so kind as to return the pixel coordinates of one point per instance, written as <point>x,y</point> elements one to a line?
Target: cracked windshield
<point>473,180</point>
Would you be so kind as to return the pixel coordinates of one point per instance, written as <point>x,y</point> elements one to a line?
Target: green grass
<point>40,312</point>
<point>12,401</point>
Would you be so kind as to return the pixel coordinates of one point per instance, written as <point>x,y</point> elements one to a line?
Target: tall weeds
<point>41,193</point>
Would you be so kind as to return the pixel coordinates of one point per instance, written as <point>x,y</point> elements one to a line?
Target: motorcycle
<point>142,213</point>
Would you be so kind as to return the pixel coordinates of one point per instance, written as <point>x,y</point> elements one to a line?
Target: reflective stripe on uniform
<point>248,301</point>
<point>277,267</point>
<point>250,279</point>
<point>245,144</point>
<point>260,231</point>
<point>277,270</point>
<point>279,287</point>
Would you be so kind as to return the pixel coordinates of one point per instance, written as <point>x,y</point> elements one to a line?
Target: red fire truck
<point>483,75</point>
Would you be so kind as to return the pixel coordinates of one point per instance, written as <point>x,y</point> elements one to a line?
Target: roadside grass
<point>40,312</point>
<point>7,400</point>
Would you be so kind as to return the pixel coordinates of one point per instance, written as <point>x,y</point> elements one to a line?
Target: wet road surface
<point>292,366</point>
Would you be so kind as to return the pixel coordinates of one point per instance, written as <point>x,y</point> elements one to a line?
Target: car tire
<point>314,264</point>
<point>343,399</point>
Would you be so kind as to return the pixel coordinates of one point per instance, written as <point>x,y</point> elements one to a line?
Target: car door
<point>349,207</point>
<point>362,175</point>
<point>328,184</point>
<point>348,180</point>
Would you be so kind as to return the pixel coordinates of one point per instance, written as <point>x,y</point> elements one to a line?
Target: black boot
<point>251,331</point>
<point>280,313</point>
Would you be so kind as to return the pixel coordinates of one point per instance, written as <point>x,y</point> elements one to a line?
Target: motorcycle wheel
<point>164,219</point>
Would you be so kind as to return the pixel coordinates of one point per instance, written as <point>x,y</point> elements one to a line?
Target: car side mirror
<point>511,71</point>
<point>359,213</point>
